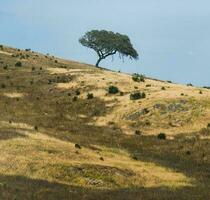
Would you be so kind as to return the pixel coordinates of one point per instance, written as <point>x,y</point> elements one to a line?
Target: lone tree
<point>107,43</point>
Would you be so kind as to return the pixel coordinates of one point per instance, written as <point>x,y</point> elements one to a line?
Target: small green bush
<point>77,146</point>
<point>18,64</point>
<point>206,87</point>
<point>77,92</point>
<point>163,88</point>
<point>137,95</point>
<point>113,90</point>
<point>3,86</point>
<point>138,77</point>
<point>75,98</point>
<point>90,96</point>
<point>190,84</point>
<point>121,93</point>
<point>137,132</point>
<point>161,136</point>
<point>5,67</point>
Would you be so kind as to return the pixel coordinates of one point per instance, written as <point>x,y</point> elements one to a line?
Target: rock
<point>137,114</point>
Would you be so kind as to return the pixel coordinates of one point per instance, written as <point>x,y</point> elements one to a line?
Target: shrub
<point>77,146</point>
<point>27,49</point>
<point>200,92</point>
<point>3,86</point>
<point>138,77</point>
<point>208,125</point>
<point>143,95</point>
<point>101,158</point>
<point>22,57</point>
<point>77,92</point>
<point>1,47</point>
<point>137,132</point>
<point>36,128</point>
<point>148,85</point>
<point>75,98</point>
<point>206,87</point>
<point>121,93</point>
<point>190,84</point>
<point>33,69</point>
<point>161,136</point>
<point>134,157</point>
<point>137,95</point>
<point>163,88</point>
<point>113,90</point>
<point>90,96</point>
<point>18,64</point>
<point>5,67</point>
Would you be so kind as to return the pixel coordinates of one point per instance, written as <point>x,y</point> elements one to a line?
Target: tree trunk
<point>99,60</point>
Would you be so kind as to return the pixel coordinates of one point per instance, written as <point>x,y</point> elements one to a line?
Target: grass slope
<point>45,112</point>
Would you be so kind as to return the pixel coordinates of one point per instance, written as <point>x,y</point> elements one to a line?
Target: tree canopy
<point>107,43</point>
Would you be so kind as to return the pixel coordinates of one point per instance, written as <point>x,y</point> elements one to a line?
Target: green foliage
<point>77,92</point>
<point>3,86</point>
<point>190,84</point>
<point>138,77</point>
<point>90,96</point>
<point>18,64</point>
<point>206,87</point>
<point>137,95</point>
<point>161,136</point>
<point>107,43</point>
<point>113,90</point>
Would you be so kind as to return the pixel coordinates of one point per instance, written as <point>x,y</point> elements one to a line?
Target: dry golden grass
<point>41,121</point>
<point>37,156</point>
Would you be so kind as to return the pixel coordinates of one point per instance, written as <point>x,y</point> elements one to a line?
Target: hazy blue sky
<point>171,36</point>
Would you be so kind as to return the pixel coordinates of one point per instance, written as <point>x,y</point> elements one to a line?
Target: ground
<point>55,143</point>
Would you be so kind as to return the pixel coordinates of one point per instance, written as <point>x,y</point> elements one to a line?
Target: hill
<point>64,136</point>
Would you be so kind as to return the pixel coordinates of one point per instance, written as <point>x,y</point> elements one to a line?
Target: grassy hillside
<point>63,136</point>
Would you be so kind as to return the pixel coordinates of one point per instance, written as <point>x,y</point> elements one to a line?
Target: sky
<point>172,37</point>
